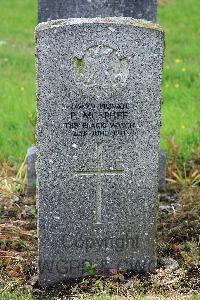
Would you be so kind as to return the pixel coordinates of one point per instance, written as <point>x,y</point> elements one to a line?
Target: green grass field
<point>17,83</point>
<point>181,84</point>
<point>181,75</point>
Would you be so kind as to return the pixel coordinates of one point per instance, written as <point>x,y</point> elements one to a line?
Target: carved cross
<point>99,172</point>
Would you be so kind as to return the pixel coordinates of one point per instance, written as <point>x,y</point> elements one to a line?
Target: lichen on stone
<point>79,64</point>
<point>114,20</point>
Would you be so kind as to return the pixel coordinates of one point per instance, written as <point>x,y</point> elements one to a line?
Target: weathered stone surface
<point>63,9</point>
<point>169,263</point>
<point>31,173</point>
<point>162,172</point>
<point>31,170</point>
<point>98,91</point>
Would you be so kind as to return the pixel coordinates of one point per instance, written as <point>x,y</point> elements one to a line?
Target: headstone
<point>31,171</point>
<point>162,172</point>
<point>98,102</point>
<point>63,9</point>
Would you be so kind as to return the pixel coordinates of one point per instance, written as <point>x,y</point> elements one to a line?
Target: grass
<point>181,74</point>
<point>177,238</point>
<point>181,84</point>
<point>27,296</point>
<point>17,84</point>
<point>18,295</point>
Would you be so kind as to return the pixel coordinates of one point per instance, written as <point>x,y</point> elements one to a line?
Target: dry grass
<point>17,227</point>
<point>178,238</point>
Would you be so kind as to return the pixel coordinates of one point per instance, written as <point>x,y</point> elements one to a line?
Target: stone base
<point>31,171</point>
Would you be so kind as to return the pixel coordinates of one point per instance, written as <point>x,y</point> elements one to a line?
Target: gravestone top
<point>98,103</point>
<point>126,21</point>
<point>64,9</point>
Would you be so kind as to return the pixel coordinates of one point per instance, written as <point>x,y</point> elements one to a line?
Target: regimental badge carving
<point>100,70</point>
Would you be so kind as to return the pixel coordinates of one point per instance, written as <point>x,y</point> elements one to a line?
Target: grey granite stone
<point>31,170</point>
<point>162,172</point>
<point>31,173</point>
<point>62,9</point>
<point>170,209</point>
<point>98,103</point>
<point>169,263</point>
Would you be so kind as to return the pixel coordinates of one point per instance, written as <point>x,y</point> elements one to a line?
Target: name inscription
<point>103,119</point>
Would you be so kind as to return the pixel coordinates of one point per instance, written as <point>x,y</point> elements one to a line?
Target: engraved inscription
<point>100,70</point>
<point>99,120</point>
